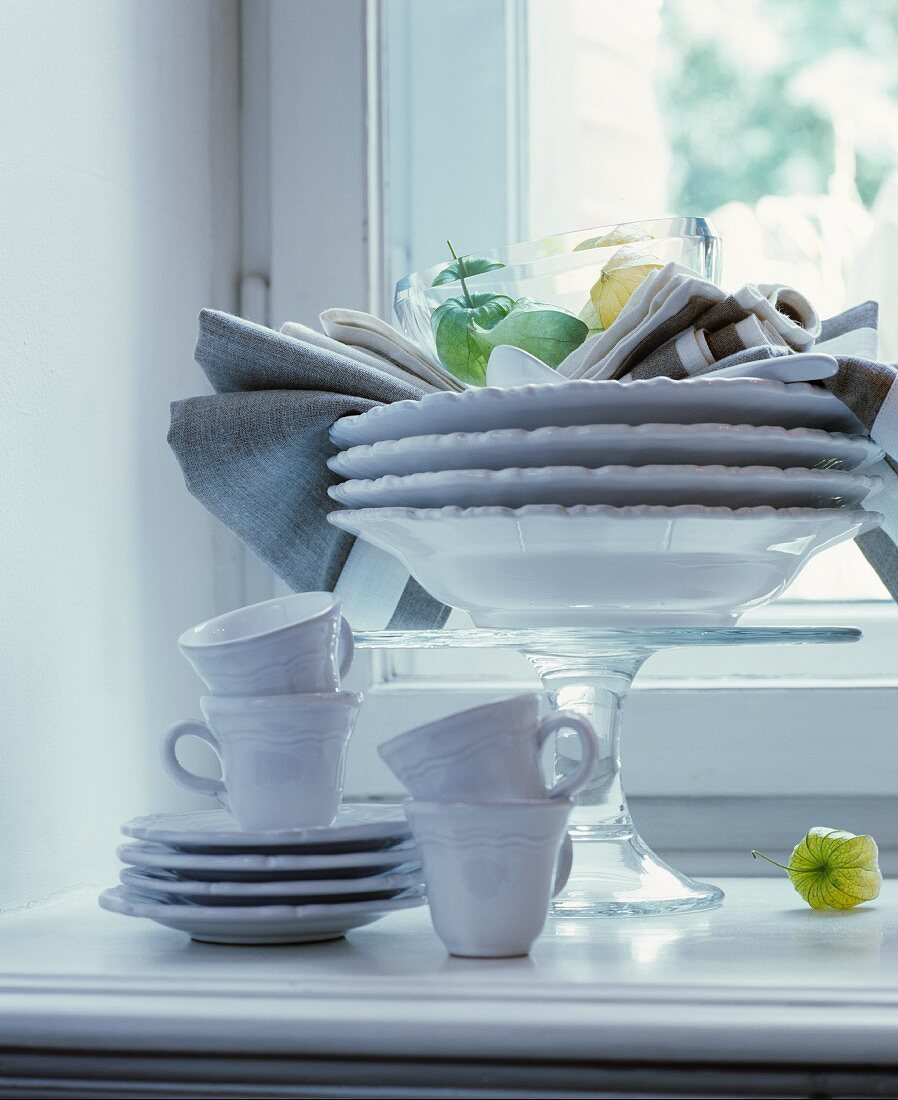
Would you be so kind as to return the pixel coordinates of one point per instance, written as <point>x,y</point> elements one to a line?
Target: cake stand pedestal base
<point>615,873</point>
<point>590,671</point>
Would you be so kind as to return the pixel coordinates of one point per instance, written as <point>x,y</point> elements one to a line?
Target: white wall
<point>109,193</point>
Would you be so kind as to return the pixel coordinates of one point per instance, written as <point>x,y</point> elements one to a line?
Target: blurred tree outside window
<point>778,119</point>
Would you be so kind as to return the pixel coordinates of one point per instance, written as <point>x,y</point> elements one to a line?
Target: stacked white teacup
<point>492,836</point>
<point>275,714</point>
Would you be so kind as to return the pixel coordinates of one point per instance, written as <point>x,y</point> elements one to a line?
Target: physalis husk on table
<point>832,869</point>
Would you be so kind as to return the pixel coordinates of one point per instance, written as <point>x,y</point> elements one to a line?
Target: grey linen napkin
<point>870,390</point>
<point>254,454</point>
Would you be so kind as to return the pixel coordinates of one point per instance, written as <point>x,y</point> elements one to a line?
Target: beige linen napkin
<point>369,358</point>
<point>370,333</point>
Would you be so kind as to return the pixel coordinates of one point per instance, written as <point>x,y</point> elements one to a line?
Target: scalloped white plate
<point>263,924</point>
<point>619,486</point>
<point>284,892</point>
<point>663,400</point>
<point>258,867</point>
<point>594,565</point>
<point>359,826</point>
<point>609,444</point>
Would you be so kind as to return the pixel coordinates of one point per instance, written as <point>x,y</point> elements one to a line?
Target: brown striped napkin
<point>678,324</point>
<point>699,350</point>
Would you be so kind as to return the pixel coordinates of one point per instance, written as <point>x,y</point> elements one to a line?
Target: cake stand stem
<point>615,873</point>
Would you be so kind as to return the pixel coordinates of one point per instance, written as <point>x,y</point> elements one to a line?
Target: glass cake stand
<point>590,671</point>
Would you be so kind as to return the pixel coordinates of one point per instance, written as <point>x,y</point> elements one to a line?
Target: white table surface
<point>762,979</point>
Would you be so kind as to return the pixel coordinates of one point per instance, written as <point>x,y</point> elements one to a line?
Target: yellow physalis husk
<point>832,869</point>
<point>621,234</point>
<point>623,273</point>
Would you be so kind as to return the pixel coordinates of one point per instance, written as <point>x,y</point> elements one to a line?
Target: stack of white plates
<point>199,874</point>
<point>605,503</point>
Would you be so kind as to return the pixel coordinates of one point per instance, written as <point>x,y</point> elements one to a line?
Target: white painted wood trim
<point>711,772</point>
<point>748,988</point>
<point>319,154</point>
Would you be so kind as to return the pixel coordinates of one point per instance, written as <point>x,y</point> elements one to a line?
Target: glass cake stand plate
<point>590,671</point>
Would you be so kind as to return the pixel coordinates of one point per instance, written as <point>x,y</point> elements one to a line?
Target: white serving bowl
<point>596,565</point>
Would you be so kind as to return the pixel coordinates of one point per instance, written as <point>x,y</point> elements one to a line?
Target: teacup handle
<point>347,647</point>
<point>568,719</point>
<point>175,768</point>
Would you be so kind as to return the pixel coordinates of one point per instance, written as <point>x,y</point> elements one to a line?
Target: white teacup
<point>488,868</point>
<point>282,756</point>
<point>289,645</point>
<point>489,753</point>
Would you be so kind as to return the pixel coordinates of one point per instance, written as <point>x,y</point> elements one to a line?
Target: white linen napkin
<point>369,358</point>
<point>363,330</point>
<point>598,356</point>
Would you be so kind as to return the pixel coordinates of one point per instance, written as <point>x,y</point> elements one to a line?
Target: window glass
<point>778,119</point>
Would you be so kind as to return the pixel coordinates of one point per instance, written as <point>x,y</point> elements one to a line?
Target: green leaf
<point>832,869</point>
<point>457,331</point>
<point>465,268</point>
<point>548,332</point>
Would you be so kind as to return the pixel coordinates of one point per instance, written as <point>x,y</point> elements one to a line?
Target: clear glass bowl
<point>558,269</point>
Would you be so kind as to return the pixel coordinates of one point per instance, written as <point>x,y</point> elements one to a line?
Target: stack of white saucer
<point>607,503</point>
<point>283,862</point>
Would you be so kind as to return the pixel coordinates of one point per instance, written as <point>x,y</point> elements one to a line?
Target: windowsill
<point>761,982</point>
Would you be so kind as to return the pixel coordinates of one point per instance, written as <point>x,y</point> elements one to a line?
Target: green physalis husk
<point>548,332</point>
<point>832,869</point>
<point>466,328</point>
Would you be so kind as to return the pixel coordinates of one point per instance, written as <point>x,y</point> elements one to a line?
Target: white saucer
<point>263,924</point>
<point>609,444</point>
<point>252,867</point>
<point>358,827</point>
<point>618,486</point>
<point>165,886</point>
<point>662,400</point>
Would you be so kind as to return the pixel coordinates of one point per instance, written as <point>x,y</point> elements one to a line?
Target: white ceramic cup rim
<point>190,638</point>
<point>294,701</point>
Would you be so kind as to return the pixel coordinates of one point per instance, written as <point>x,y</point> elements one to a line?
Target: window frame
<point>822,691</point>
